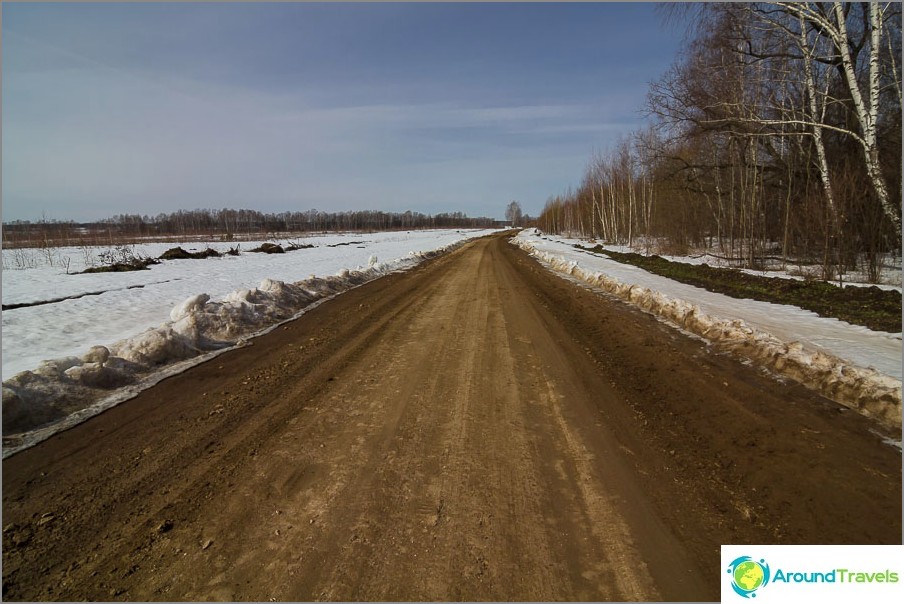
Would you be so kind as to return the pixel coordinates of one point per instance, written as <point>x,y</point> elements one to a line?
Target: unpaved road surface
<point>476,428</point>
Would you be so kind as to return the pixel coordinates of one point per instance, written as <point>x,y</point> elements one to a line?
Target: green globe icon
<point>748,575</point>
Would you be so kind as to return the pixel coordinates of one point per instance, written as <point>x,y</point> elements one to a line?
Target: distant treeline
<point>224,224</point>
<point>776,133</point>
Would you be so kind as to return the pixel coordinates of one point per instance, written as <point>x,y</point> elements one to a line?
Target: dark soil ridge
<point>179,253</point>
<point>273,248</point>
<point>138,264</point>
<point>869,307</point>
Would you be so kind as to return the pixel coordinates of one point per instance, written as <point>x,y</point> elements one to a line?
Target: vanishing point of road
<point>476,428</point>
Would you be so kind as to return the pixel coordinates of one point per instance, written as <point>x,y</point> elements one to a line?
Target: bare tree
<point>776,134</point>
<point>513,213</point>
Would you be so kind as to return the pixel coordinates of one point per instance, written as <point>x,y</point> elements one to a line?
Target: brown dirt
<point>476,428</point>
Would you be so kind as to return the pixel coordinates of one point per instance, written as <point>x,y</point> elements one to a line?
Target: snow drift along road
<point>866,389</point>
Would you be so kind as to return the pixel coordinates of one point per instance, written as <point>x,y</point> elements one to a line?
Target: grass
<point>867,306</point>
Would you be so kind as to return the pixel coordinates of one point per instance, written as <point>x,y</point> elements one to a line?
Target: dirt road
<point>476,428</point>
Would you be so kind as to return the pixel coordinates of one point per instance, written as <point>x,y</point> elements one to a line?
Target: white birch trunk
<point>866,116</point>
<point>817,128</point>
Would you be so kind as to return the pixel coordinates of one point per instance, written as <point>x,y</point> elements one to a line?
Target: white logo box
<point>808,573</point>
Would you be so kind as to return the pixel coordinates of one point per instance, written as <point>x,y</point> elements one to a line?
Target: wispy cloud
<point>115,122</point>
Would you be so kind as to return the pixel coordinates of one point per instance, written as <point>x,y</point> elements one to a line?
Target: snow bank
<point>68,390</point>
<point>865,389</point>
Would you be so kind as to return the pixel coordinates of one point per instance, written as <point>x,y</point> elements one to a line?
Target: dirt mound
<point>178,253</point>
<point>269,248</point>
<point>137,264</point>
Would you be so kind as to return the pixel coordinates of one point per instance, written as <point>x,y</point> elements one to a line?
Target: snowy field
<point>843,361</point>
<point>119,305</point>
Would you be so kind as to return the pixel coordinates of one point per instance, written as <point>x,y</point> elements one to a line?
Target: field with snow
<point>851,364</point>
<point>79,336</point>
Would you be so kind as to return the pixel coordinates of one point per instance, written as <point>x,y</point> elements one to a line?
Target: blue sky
<point>147,108</point>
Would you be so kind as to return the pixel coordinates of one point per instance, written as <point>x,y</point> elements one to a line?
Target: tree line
<point>225,223</point>
<point>775,134</point>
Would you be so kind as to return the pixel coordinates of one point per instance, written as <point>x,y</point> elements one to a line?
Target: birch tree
<point>513,213</point>
<point>832,26</point>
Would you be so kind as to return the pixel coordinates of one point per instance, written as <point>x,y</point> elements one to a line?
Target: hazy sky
<point>148,108</point>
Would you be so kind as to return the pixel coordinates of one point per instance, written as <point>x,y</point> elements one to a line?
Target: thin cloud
<point>112,109</point>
